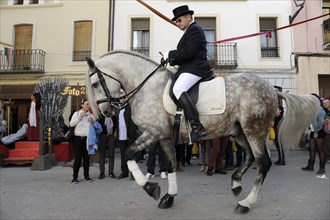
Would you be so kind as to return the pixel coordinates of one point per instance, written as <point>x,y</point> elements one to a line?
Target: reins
<point>115,101</point>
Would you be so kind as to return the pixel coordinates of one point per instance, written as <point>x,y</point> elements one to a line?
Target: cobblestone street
<point>287,193</point>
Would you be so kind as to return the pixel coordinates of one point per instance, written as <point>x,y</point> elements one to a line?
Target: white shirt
<point>122,134</point>
<point>109,124</point>
<point>32,115</point>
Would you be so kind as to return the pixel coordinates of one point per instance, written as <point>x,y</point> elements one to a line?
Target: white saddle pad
<point>211,100</point>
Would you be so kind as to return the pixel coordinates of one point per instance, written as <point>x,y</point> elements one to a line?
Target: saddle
<point>208,95</point>
<point>193,91</point>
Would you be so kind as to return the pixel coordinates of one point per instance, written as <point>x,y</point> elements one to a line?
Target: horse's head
<point>102,87</point>
<point>120,69</point>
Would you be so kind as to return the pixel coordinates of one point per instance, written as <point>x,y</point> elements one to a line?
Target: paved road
<point>288,193</point>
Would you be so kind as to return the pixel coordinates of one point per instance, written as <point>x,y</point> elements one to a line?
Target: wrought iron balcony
<point>326,34</point>
<point>269,52</point>
<point>22,61</point>
<point>222,56</point>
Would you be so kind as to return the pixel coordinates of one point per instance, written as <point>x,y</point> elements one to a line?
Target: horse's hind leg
<point>263,165</point>
<point>236,178</point>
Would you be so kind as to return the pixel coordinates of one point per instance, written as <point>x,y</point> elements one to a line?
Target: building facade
<point>48,38</point>
<point>312,47</point>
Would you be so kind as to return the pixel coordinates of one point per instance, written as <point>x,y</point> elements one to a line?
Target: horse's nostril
<point>105,112</point>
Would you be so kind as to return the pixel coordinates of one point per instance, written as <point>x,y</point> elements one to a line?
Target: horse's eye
<point>95,85</point>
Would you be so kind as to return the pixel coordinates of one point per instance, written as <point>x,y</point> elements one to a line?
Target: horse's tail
<point>301,111</point>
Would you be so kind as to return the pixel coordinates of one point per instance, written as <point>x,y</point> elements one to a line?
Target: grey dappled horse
<point>250,108</point>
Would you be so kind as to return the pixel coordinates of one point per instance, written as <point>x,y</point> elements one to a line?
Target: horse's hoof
<point>166,202</point>
<point>152,189</point>
<point>241,209</point>
<point>236,191</point>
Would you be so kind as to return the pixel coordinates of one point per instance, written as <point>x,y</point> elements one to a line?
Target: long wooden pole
<point>5,44</point>
<point>157,12</point>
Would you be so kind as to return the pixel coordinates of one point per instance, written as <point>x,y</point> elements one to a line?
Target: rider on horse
<point>191,57</point>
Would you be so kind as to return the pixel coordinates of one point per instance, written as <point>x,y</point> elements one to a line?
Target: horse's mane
<point>130,53</point>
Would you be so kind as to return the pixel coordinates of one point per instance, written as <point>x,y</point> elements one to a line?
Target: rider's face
<point>183,22</point>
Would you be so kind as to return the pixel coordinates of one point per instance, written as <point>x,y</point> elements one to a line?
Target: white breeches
<point>184,83</point>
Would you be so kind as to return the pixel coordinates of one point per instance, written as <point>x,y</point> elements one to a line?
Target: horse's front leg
<point>144,141</point>
<point>152,189</point>
<point>168,199</point>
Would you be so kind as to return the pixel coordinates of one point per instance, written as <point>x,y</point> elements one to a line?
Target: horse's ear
<point>90,63</point>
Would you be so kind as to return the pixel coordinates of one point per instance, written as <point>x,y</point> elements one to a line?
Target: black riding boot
<point>190,111</point>
<point>310,166</point>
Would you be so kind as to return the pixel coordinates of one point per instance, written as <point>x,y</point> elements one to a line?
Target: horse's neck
<point>151,92</point>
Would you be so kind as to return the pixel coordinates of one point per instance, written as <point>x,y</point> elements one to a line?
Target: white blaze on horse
<point>251,103</point>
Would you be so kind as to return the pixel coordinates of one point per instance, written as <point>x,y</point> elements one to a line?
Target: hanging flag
<point>269,34</point>
<point>7,54</point>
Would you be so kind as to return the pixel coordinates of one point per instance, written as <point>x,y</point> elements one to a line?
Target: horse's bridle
<point>112,100</point>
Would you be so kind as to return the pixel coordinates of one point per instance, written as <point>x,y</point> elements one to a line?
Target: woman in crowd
<point>316,141</point>
<point>81,120</point>
<point>34,118</point>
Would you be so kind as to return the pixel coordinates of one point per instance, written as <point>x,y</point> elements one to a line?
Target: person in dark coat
<point>107,143</point>
<point>191,57</point>
<point>126,133</point>
<point>278,117</point>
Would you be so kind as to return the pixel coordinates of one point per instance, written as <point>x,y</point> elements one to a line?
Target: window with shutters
<point>82,46</point>
<point>140,35</point>
<point>268,42</point>
<point>23,46</point>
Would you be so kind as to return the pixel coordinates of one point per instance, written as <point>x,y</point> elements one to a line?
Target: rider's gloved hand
<point>165,55</point>
<point>164,60</point>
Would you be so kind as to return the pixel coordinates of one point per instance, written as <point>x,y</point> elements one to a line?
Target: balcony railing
<point>22,61</point>
<point>269,52</point>
<point>222,56</point>
<point>326,34</point>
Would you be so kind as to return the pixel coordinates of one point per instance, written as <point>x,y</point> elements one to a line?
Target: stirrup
<point>196,136</point>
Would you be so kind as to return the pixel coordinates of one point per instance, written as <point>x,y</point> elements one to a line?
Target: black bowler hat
<point>181,10</point>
